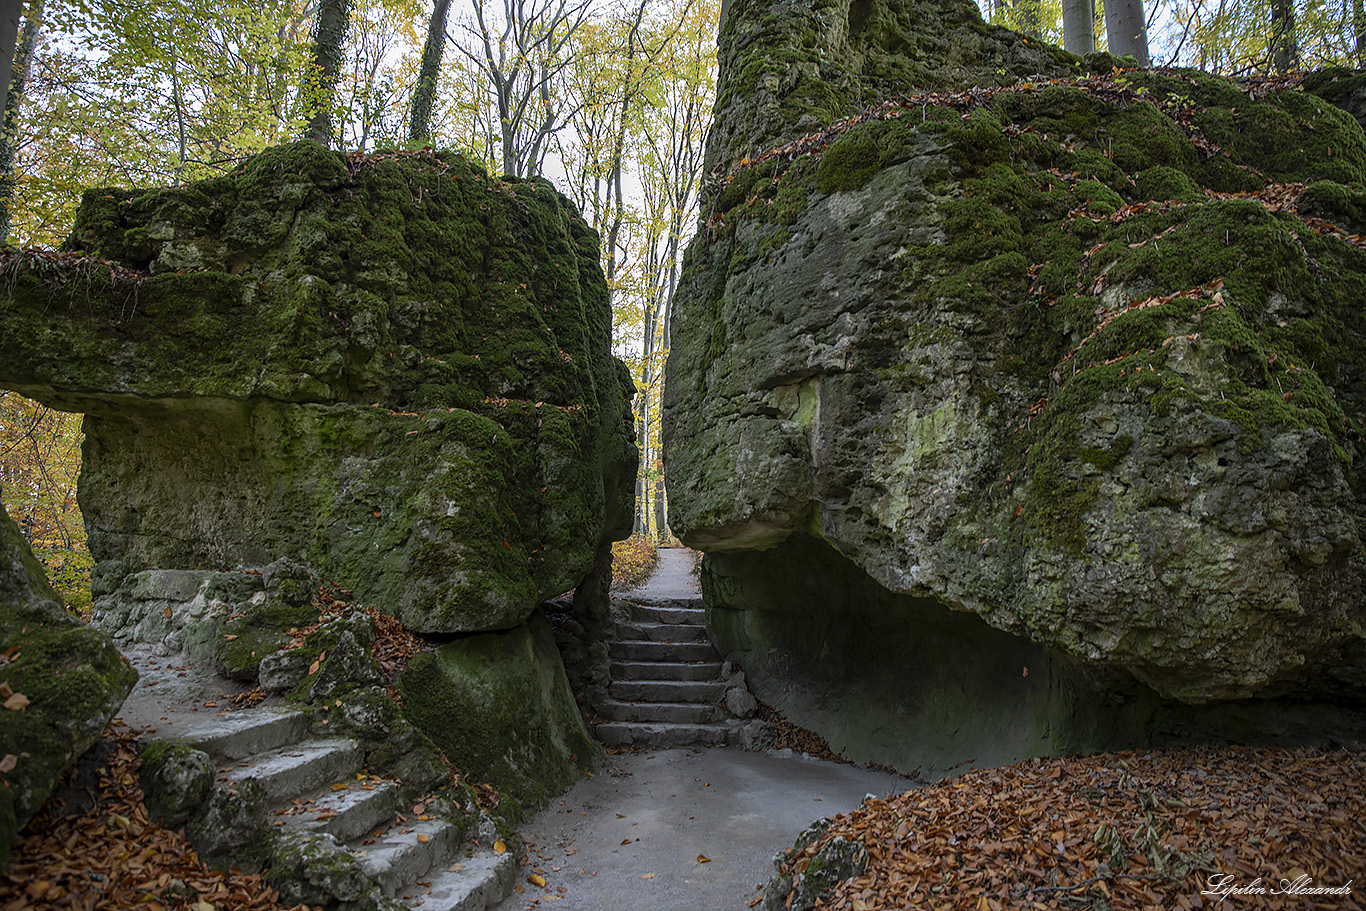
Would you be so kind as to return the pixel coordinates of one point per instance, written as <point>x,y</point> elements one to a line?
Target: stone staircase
<point>419,858</point>
<point>666,688</point>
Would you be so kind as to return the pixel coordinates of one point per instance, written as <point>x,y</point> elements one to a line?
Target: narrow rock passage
<point>630,838</point>
<point>673,578</point>
<point>652,815</point>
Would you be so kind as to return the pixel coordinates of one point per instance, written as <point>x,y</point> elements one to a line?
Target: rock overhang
<point>1078,353</point>
<point>392,367</point>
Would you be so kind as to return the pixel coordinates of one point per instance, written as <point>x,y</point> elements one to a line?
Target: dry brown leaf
<point>17,702</point>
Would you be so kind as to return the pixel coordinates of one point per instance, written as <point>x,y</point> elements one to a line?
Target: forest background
<point>609,99</point>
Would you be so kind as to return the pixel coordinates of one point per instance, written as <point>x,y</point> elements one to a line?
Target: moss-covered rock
<point>1068,358</point>
<point>395,370</point>
<point>500,709</point>
<point>60,682</point>
<point>176,780</point>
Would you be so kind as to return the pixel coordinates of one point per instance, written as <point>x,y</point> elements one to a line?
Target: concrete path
<point>652,814</point>
<point>673,578</point>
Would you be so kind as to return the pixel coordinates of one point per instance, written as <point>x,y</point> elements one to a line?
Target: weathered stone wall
<point>1082,356</point>
<point>392,369</point>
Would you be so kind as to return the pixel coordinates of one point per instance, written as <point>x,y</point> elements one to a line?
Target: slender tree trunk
<point>1126,30</point>
<point>22,64</point>
<point>1285,50</point>
<point>334,16</point>
<point>1359,32</point>
<point>1079,26</point>
<point>424,95</point>
<point>11,12</point>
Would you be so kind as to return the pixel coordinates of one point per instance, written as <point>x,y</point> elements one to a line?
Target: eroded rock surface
<point>60,683</point>
<point>1082,356</point>
<point>392,369</point>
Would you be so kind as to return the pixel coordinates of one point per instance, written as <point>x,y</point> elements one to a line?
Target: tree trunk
<point>1285,50</point>
<point>1079,26</point>
<point>11,11</point>
<point>1359,32</point>
<point>334,16</point>
<point>424,95</point>
<point>1126,30</point>
<point>21,65</point>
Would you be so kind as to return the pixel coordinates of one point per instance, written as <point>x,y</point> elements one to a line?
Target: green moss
<point>243,641</point>
<point>1164,183</point>
<point>499,708</point>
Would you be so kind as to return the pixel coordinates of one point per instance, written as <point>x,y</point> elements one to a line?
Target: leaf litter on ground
<point>113,856</point>
<point>1128,830</point>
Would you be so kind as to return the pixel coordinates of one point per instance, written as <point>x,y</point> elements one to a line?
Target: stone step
<point>662,632</point>
<point>662,735</point>
<point>471,882</point>
<point>404,854</point>
<point>346,813</point>
<point>246,733</point>
<point>665,670</point>
<point>672,712</point>
<point>667,690</point>
<point>640,650</point>
<point>682,616</point>
<point>298,769</point>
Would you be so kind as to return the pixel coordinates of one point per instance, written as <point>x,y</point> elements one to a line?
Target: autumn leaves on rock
<point>1073,348</point>
<point>392,369</point>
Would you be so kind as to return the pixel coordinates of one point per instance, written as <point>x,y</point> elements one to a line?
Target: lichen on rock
<point>1072,348</point>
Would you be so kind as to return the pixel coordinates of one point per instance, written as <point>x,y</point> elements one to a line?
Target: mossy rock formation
<point>1076,349</point>
<point>393,369</point>
<point>61,683</point>
<point>499,707</point>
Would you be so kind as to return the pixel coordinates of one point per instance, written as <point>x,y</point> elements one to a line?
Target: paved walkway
<point>673,577</point>
<point>629,838</point>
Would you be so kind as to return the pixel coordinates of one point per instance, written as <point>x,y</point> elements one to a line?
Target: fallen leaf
<point>8,763</point>
<point>423,838</point>
<point>499,847</point>
<point>626,841</point>
<point>313,668</point>
<point>166,612</point>
<point>17,702</point>
<point>647,876</point>
<point>230,636</point>
<point>703,859</point>
<point>537,880</point>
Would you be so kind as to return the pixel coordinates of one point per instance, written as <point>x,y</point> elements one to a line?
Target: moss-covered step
<point>393,369</point>
<point>60,683</point>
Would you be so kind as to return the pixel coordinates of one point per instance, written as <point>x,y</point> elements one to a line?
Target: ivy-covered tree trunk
<point>333,18</point>
<point>22,63</point>
<point>424,96</point>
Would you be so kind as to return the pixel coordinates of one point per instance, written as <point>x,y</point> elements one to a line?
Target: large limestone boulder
<point>60,683</point>
<point>1082,356</point>
<point>499,707</point>
<point>392,369</point>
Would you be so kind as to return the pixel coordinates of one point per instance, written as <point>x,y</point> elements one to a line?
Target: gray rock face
<point>1047,381</point>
